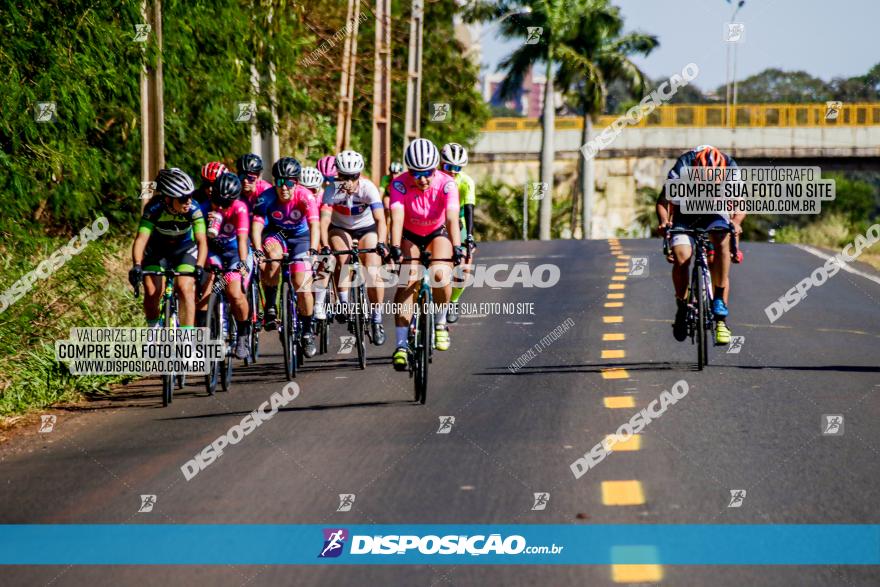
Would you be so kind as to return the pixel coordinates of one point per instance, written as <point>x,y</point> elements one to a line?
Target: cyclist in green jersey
<point>171,232</point>
<point>453,157</point>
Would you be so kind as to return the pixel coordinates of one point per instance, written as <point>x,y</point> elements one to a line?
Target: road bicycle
<point>700,319</point>
<point>420,339</point>
<point>289,325</point>
<point>221,326</point>
<point>169,319</point>
<point>358,316</point>
<point>322,326</point>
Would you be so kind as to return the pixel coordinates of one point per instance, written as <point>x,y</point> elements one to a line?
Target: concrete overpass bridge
<point>508,149</point>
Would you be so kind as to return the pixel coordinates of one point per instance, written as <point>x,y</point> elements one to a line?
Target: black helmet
<point>287,168</point>
<point>225,189</point>
<point>174,183</point>
<point>249,163</point>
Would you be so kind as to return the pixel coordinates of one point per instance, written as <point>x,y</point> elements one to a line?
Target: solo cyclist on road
<point>424,214</point>
<point>670,216</point>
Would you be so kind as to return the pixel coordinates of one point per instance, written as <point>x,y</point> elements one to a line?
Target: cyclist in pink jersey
<point>424,216</point>
<point>248,167</point>
<point>229,249</point>
<point>289,216</point>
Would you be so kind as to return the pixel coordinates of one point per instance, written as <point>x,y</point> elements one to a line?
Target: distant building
<point>527,101</point>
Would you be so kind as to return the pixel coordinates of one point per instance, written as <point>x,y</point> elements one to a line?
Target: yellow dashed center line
<point>634,442</point>
<point>616,296</point>
<point>613,354</point>
<point>614,373</point>
<point>612,319</point>
<point>618,278</point>
<point>622,493</point>
<point>613,304</point>
<point>613,336</point>
<point>616,286</point>
<point>616,402</point>
<point>636,573</point>
<point>623,256</point>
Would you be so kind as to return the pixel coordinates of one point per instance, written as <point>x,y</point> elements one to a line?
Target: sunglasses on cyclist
<point>251,177</point>
<point>451,167</point>
<point>281,181</point>
<point>426,173</point>
<point>347,176</point>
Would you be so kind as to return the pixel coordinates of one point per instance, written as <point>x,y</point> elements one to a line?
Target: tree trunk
<point>548,153</point>
<point>588,183</point>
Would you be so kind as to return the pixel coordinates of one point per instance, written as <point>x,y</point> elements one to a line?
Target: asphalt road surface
<point>752,421</point>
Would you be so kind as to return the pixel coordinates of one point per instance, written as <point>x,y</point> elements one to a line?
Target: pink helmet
<point>327,166</point>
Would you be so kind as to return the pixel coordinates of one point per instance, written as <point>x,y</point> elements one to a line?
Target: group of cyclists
<point>236,222</point>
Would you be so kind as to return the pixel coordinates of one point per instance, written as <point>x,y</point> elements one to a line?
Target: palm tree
<point>595,56</point>
<point>542,25</point>
<point>579,45</point>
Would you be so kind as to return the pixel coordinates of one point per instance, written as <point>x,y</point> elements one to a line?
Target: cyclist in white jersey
<point>352,209</point>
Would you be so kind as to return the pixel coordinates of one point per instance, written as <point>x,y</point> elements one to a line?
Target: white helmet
<point>310,177</point>
<point>421,155</point>
<point>349,162</point>
<point>454,154</point>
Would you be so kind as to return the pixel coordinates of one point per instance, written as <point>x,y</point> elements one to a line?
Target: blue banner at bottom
<point>438,544</point>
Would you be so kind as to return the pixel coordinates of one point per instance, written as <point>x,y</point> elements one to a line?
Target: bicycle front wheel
<point>357,296</point>
<point>168,378</point>
<point>288,331</point>
<point>702,338</point>
<point>213,326</point>
<point>229,336</point>
<point>423,336</point>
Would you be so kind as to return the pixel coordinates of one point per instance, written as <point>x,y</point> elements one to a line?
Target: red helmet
<point>211,171</point>
<point>327,166</point>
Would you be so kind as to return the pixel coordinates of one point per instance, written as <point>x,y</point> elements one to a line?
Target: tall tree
<point>597,54</point>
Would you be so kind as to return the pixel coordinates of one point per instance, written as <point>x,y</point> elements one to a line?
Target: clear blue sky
<point>824,38</point>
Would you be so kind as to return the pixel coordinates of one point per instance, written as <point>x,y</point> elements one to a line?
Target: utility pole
<point>381,153</point>
<point>414,73</point>
<point>152,106</point>
<point>346,82</point>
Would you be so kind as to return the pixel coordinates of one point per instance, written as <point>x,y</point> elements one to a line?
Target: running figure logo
<point>832,109</point>
<point>246,112</point>
<point>736,344</point>
<point>47,423</point>
<point>832,424</point>
<point>334,542</point>
<point>541,501</point>
<point>638,267</point>
<point>537,190</point>
<point>735,32</point>
<point>147,503</point>
<point>736,498</point>
<point>446,423</point>
<point>439,111</point>
<point>346,345</point>
<point>141,32</point>
<point>45,112</point>
<point>346,500</point>
<point>534,34</point>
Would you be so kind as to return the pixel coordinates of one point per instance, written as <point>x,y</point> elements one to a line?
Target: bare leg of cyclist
<point>186,293</point>
<point>341,241</point>
<point>238,300</point>
<point>405,299</point>
<point>720,271</point>
<point>269,276</point>
<point>680,277</point>
<point>152,295</point>
<point>441,286</point>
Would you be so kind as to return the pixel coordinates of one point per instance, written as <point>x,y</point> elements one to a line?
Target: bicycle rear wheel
<point>253,315</point>
<point>213,325</point>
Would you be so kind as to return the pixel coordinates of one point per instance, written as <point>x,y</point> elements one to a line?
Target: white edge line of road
<point>845,267</point>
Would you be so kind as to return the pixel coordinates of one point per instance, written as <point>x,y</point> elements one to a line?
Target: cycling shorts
<point>181,255</point>
<point>227,260</point>
<point>355,233</point>
<point>705,222</point>
<point>297,247</point>
<point>423,241</point>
